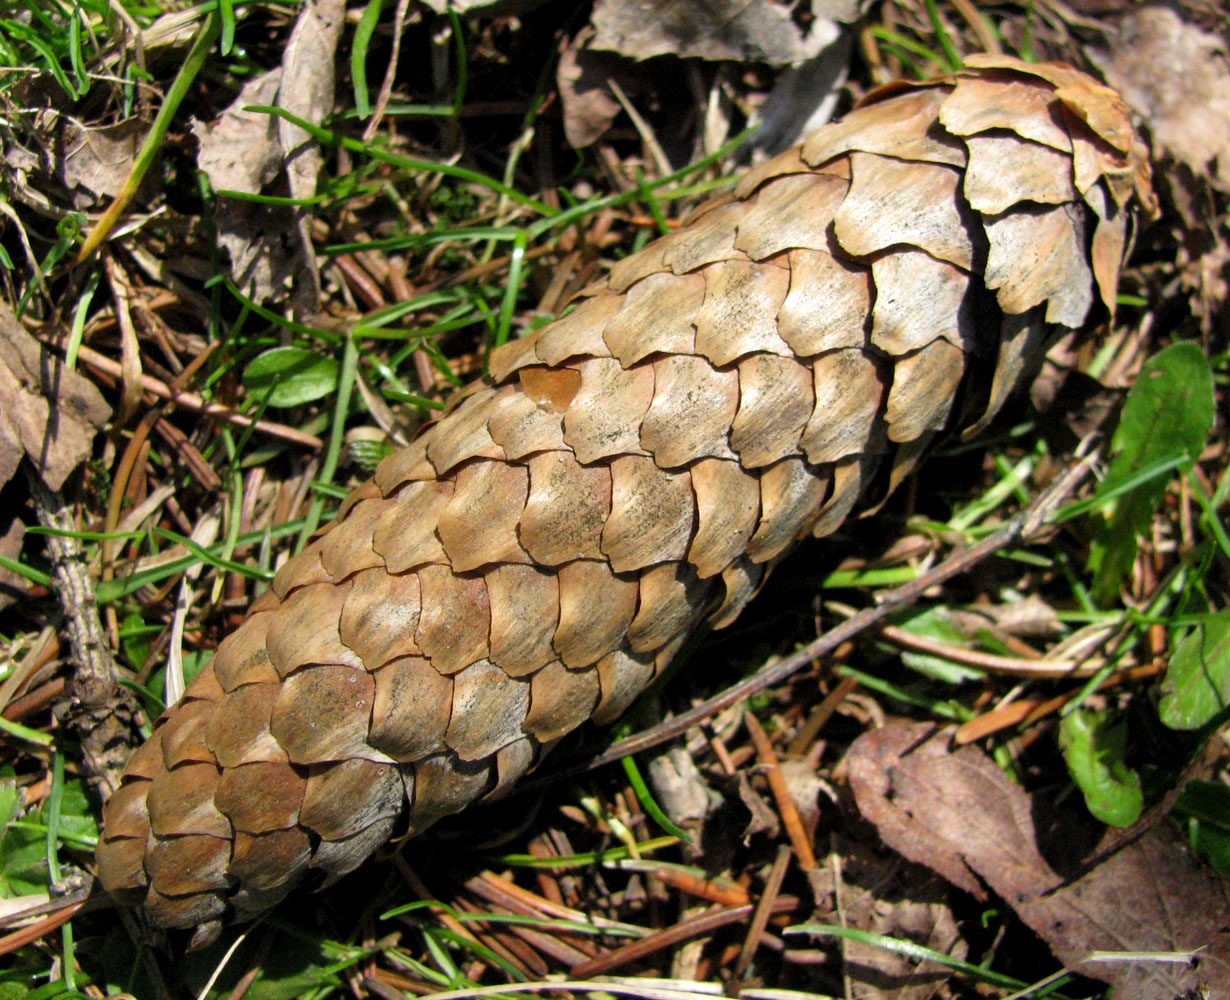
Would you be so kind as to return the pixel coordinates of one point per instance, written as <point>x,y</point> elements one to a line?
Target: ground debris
<point>959,814</point>
<point>48,412</point>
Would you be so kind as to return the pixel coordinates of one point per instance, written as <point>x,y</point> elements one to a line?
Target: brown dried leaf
<point>12,585</point>
<point>1177,77</point>
<point>917,909</point>
<point>269,245</point>
<point>48,412</point>
<point>75,164</point>
<point>737,30</point>
<point>958,813</point>
<point>589,105</point>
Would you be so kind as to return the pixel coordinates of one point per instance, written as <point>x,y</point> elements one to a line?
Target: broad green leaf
<point>291,376</point>
<point>1167,416</point>
<point>1094,748</point>
<point>1207,801</point>
<point>1197,684</point>
<point>76,816</point>
<point>296,967</point>
<point>1212,843</point>
<point>23,837</point>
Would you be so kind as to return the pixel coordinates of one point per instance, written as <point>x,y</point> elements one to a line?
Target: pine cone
<point>541,552</point>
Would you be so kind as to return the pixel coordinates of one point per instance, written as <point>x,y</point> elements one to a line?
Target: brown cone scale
<point>634,468</point>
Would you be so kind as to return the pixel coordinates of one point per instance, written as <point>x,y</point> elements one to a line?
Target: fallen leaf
<point>1176,76</point>
<point>12,585</point>
<point>880,895</point>
<point>307,92</point>
<point>269,245</point>
<point>681,790</point>
<point>589,105</point>
<point>47,412</point>
<point>75,164</point>
<point>739,30</point>
<point>762,819</point>
<point>959,814</point>
<point>240,152</point>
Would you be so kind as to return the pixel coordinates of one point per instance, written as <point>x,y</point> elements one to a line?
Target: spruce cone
<point>538,555</point>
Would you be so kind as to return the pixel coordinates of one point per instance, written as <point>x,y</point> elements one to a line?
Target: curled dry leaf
<point>74,164</point>
<point>12,585</point>
<point>756,31</point>
<point>537,557</point>
<point>255,153</point>
<point>957,813</point>
<point>48,412</point>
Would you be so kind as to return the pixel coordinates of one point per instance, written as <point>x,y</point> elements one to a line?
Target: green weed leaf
<point>1197,685</point>
<point>1094,749</point>
<point>291,376</point>
<point>1167,415</point>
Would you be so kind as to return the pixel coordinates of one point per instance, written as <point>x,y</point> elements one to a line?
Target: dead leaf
<point>239,152</point>
<point>1177,77</point>
<point>739,30</point>
<point>680,789</point>
<point>307,92</point>
<point>75,164</point>
<point>879,893</point>
<point>47,412</point>
<point>589,105</point>
<point>763,818</point>
<point>12,585</point>
<point>803,97</point>
<point>1027,616</point>
<point>269,245</point>
<point>957,813</point>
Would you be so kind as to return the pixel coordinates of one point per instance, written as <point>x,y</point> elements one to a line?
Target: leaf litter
<point>48,413</point>
<point>256,153</point>
<point>959,814</point>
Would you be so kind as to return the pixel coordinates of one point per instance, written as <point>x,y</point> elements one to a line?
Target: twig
<point>1028,711</point>
<point>781,793</point>
<point>764,909</point>
<point>992,662</point>
<point>23,937</point>
<point>101,711</point>
<point>704,924</point>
